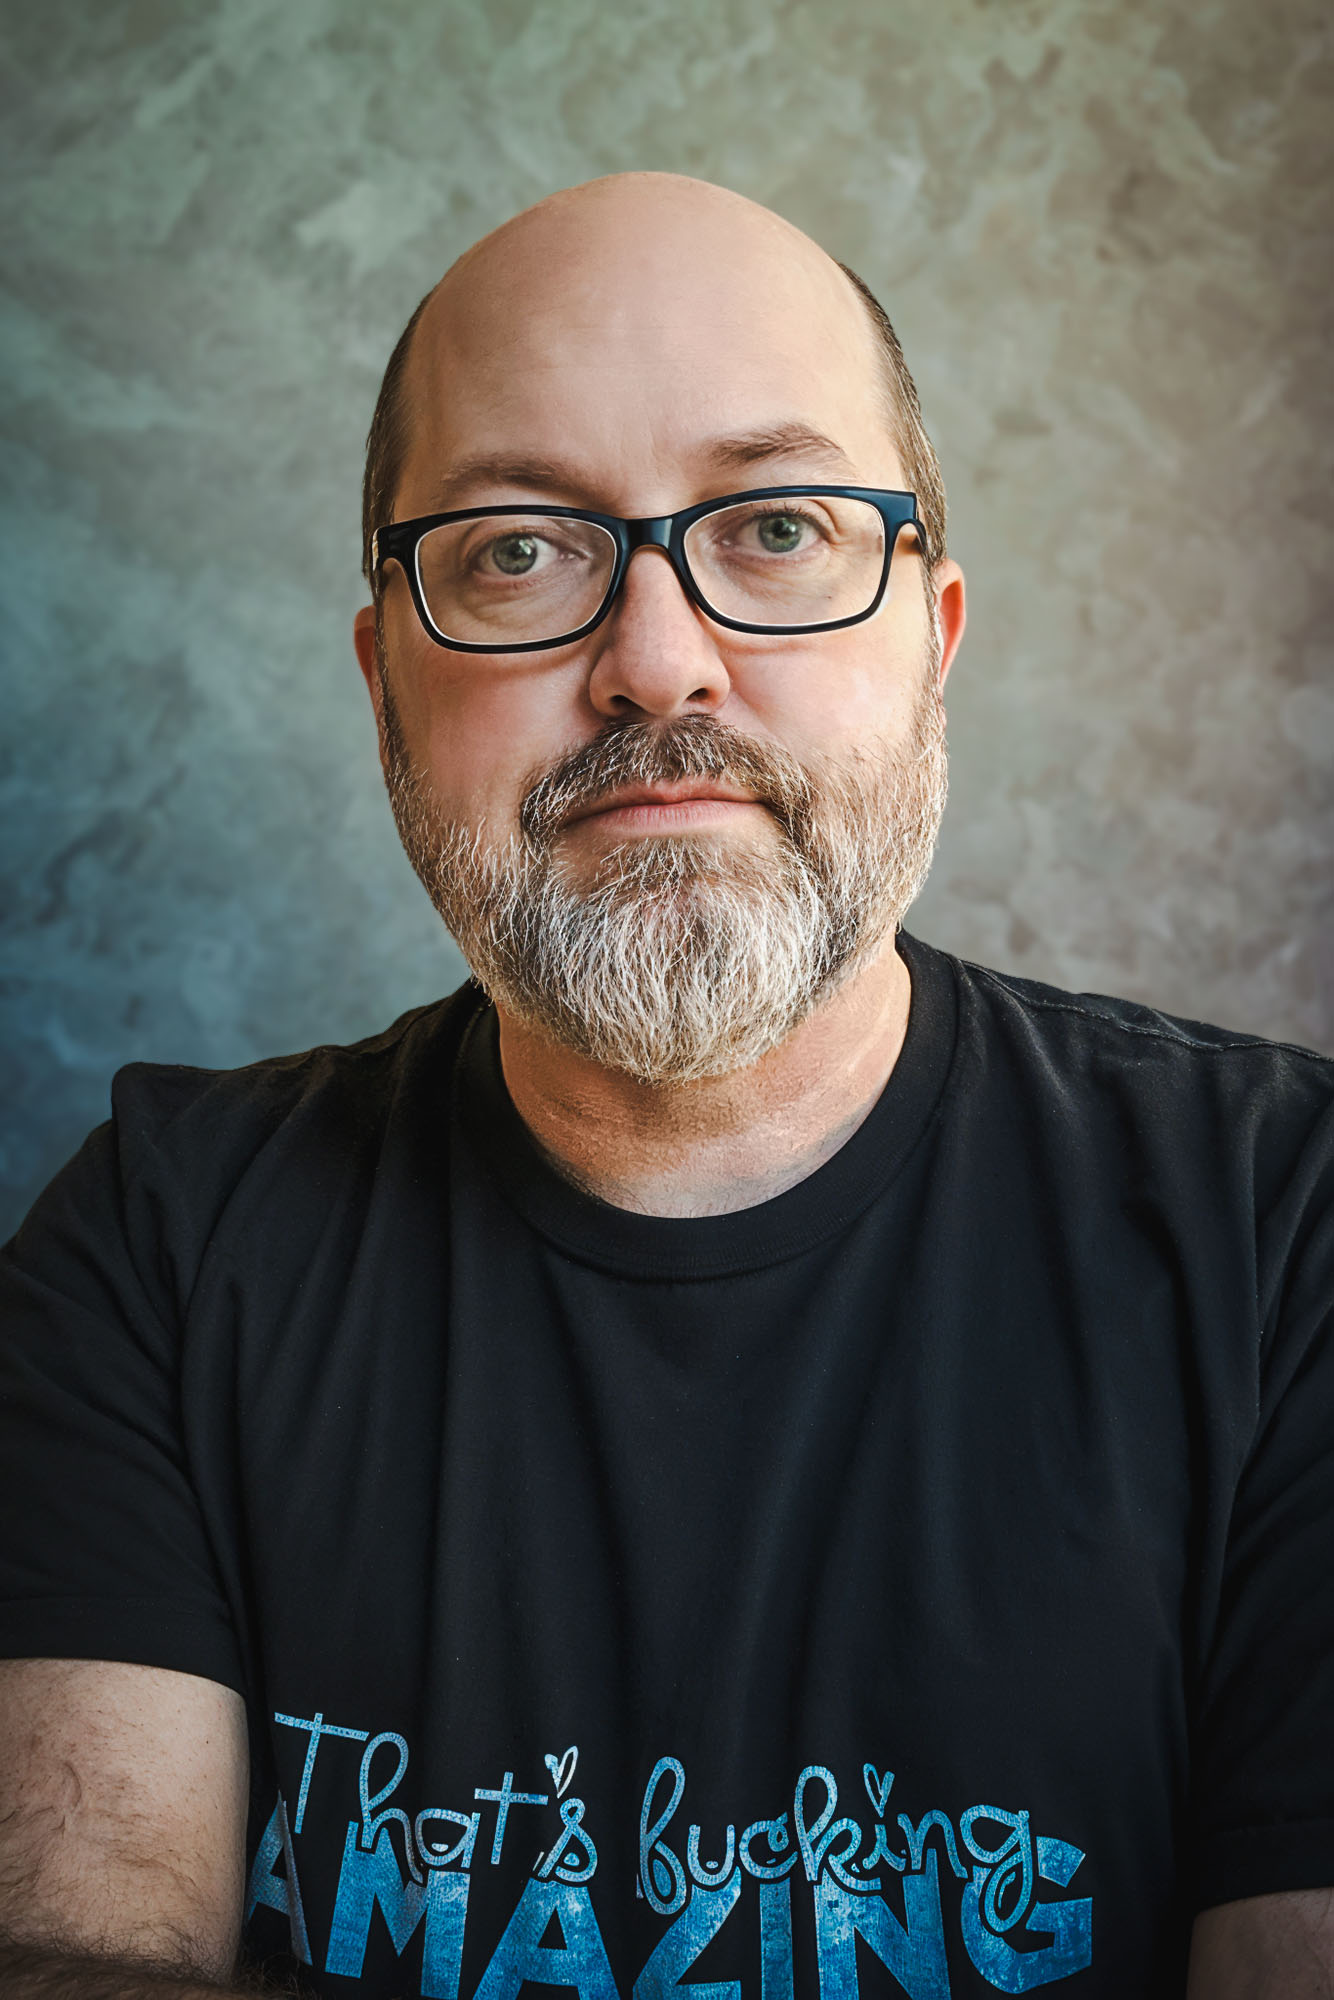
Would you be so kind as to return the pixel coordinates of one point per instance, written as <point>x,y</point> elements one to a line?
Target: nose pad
<point>661,550</point>
<point>656,546</point>
<point>659,655</point>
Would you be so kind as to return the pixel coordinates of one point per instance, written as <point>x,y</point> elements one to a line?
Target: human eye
<point>783,534</point>
<point>515,553</point>
<point>513,573</point>
<point>776,529</point>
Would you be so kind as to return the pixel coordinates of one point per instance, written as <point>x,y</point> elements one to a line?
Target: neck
<point>727,1142</point>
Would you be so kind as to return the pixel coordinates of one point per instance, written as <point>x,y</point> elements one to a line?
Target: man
<point>755,1459</point>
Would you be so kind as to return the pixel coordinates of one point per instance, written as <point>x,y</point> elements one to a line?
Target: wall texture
<point>1105,229</point>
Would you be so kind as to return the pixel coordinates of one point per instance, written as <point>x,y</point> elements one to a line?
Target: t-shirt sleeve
<point>1263,1755</point>
<point>104,1551</point>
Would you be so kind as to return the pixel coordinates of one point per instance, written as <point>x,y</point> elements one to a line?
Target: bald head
<point>646,252</point>
<point>636,223</point>
<point>615,322</point>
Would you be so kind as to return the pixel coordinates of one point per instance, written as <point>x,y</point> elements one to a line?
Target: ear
<point>951,611</point>
<point>363,639</point>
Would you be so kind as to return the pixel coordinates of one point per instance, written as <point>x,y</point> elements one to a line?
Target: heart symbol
<point>877,1788</point>
<point>562,1768</point>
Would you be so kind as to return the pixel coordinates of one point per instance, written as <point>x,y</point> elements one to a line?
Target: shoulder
<point>1183,1113</point>
<point>195,1157</point>
<point>175,1109</point>
<point>1110,1041</point>
<point>1128,1026</point>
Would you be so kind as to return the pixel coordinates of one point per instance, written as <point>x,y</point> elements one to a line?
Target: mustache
<point>647,753</point>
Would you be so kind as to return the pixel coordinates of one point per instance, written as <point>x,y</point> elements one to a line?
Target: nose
<point>656,655</point>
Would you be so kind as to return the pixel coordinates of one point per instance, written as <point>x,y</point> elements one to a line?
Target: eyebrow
<point>527,471</point>
<point>786,440</point>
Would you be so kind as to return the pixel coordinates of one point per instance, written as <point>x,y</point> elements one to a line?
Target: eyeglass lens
<point>522,578</point>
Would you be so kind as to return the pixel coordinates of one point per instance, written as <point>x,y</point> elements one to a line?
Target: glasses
<point>780,559</point>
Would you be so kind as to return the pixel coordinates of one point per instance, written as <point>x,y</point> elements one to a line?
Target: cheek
<point>843,687</point>
<point>888,659</point>
<point>480,728</point>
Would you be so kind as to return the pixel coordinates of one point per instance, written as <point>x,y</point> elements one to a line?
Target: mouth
<point>666,808</point>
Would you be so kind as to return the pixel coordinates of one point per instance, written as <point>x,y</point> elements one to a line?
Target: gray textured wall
<point>1104,228</point>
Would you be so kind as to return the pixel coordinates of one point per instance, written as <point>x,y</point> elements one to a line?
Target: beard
<point>674,957</point>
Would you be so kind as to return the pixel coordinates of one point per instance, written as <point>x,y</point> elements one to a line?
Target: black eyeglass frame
<point>400,540</point>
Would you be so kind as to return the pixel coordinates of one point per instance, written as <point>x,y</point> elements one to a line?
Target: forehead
<point>624,345</point>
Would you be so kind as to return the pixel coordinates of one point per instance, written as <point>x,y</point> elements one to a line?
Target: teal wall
<point>1104,228</point>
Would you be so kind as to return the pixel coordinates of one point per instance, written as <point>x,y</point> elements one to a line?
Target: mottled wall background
<point>1106,232</point>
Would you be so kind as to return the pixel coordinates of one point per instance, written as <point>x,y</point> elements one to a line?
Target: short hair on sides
<point>917,454</point>
<point>386,441</point>
<point>386,444</point>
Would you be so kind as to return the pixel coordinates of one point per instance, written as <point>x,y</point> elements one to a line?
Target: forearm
<point>41,1972</point>
<point>1278,1947</point>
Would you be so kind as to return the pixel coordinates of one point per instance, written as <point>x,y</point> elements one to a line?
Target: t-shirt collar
<point>698,1247</point>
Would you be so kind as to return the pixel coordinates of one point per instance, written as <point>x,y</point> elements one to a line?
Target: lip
<point>669,803</point>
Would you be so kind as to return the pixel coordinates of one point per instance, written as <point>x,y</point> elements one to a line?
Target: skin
<point>122,1824</point>
<point>620,330</point>
<point>1265,1948</point>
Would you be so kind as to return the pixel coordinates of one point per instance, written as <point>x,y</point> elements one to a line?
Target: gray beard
<point>677,957</point>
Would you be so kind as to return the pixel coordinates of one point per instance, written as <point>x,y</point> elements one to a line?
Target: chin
<point>665,859</point>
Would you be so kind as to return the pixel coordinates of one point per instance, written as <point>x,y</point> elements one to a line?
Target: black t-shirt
<point>920,1582</point>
